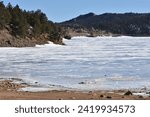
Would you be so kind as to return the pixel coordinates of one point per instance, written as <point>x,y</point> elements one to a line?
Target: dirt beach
<point>9,91</point>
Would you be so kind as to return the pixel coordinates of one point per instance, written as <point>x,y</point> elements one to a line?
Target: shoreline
<point>9,91</point>
<point>107,36</point>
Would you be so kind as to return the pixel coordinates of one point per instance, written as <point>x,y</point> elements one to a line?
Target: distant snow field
<point>84,63</point>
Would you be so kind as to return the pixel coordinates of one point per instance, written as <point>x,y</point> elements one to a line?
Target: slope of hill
<point>132,24</point>
<point>20,28</point>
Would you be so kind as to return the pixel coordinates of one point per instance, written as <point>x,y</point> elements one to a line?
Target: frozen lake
<point>84,63</point>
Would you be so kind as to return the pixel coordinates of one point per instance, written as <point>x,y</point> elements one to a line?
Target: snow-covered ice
<point>99,63</point>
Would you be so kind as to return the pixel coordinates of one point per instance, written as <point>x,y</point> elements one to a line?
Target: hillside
<point>132,24</point>
<point>21,28</point>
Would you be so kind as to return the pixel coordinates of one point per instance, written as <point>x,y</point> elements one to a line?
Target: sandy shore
<point>9,91</point>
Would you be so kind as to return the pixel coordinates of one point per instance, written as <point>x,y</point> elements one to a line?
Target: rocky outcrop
<point>57,41</point>
<point>7,40</point>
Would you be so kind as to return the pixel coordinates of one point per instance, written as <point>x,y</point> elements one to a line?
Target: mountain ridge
<point>130,24</point>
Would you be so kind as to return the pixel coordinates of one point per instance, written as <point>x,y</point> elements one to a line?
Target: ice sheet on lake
<point>101,62</point>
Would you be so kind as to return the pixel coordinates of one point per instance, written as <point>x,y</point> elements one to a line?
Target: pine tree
<point>19,22</point>
<point>5,16</point>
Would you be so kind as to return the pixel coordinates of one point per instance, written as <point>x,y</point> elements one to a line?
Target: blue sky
<point>61,10</point>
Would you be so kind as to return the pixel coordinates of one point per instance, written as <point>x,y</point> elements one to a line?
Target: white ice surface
<point>141,94</point>
<point>100,63</point>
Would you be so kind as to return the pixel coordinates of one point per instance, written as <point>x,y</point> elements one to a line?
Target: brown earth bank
<point>84,32</point>
<point>7,40</point>
<point>9,91</point>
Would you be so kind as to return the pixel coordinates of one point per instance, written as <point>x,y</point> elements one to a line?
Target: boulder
<point>128,93</point>
<point>67,37</point>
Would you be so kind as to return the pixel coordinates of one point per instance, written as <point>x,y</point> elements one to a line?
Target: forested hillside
<point>133,24</point>
<point>19,26</point>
